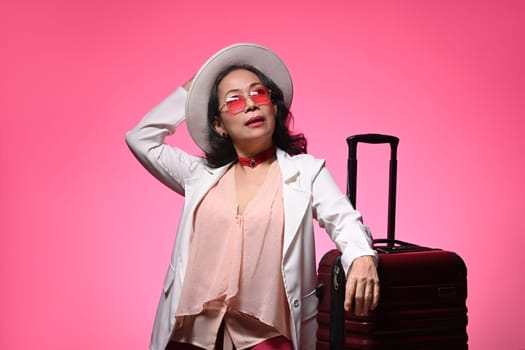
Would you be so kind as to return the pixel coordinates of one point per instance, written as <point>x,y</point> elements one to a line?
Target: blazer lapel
<point>198,186</point>
<point>295,199</point>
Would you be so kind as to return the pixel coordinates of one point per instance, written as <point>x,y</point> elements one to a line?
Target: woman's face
<point>250,127</point>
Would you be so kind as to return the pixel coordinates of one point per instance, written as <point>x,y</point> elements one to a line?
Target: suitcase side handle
<point>351,190</point>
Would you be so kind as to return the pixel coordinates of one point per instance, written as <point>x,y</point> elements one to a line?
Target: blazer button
<point>296,303</point>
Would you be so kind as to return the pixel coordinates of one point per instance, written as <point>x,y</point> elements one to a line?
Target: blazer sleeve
<point>168,164</point>
<point>336,215</point>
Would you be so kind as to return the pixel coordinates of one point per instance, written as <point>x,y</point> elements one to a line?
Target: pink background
<point>86,233</point>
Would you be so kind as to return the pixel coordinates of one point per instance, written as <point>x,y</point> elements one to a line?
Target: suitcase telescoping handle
<point>392,179</point>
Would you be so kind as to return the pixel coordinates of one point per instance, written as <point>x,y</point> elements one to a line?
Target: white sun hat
<point>255,55</point>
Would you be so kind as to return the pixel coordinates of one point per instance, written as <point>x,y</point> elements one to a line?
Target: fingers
<point>351,285</point>
<point>361,295</point>
<point>362,288</point>
<point>187,84</point>
<point>366,300</point>
<point>375,300</point>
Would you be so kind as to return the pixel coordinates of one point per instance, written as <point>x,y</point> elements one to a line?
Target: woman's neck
<point>252,149</point>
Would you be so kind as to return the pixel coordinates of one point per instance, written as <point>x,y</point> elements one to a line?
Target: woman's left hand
<point>362,286</point>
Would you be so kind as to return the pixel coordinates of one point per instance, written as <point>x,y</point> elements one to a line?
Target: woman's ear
<point>219,128</point>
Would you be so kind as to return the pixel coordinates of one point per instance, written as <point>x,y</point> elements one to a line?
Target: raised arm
<point>169,164</point>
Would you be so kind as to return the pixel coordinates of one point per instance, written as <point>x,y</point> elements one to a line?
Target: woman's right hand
<point>187,84</point>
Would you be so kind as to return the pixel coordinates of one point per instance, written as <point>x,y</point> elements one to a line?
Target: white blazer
<point>309,192</point>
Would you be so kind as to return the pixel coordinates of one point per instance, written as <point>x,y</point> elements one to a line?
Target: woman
<point>242,273</point>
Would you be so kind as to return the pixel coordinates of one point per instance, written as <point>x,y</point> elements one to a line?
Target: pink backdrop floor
<point>86,233</point>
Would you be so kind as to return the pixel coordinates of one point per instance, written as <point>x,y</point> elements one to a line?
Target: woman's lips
<point>255,122</point>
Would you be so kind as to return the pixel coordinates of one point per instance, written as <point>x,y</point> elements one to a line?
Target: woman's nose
<point>250,103</point>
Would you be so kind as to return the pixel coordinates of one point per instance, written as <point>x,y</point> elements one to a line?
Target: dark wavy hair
<point>221,149</point>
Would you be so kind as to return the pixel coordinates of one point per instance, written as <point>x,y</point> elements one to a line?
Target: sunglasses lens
<point>236,105</point>
<point>260,95</point>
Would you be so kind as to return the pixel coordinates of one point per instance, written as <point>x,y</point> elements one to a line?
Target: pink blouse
<point>234,270</point>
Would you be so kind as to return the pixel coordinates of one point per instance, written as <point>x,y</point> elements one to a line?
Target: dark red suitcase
<point>423,290</point>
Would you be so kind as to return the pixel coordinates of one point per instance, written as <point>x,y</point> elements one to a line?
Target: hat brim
<point>255,55</point>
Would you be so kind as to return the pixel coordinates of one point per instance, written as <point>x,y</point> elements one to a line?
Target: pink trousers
<point>277,343</point>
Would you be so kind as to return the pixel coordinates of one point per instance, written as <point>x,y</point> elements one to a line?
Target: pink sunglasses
<point>236,103</point>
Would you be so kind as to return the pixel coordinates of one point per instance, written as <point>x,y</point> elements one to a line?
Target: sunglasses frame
<point>244,98</point>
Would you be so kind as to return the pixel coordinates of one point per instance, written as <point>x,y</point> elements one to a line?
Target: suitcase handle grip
<point>392,181</point>
<point>374,139</point>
